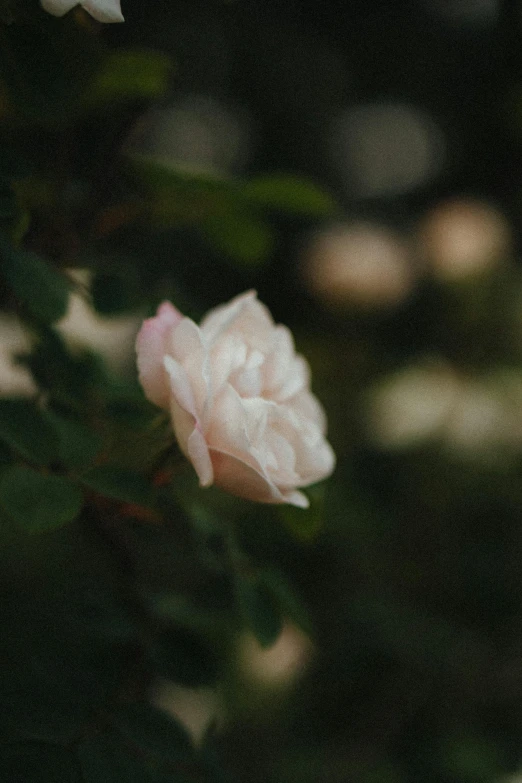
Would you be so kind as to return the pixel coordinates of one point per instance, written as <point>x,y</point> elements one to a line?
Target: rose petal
<point>235,476</point>
<point>296,498</point>
<point>58,7</point>
<point>180,385</point>
<point>151,348</point>
<point>220,319</point>
<point>199,455</point>
<point>102,10</point>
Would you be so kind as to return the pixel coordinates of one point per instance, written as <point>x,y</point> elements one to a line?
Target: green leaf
<point>176,179</point>
<point>42,290</point>
<point>71,379</point>
<point>78,445</point>
<point>471,758</point>
<point>130,75</point>
<point>26,430</point>
<point>259,609</point>
<point>286,598</point>
<point>291,194</point>
<point>37,762</point>
<point>183,656</point>
<point>39,502</point>
<point>240,235</point>
<point>119,484</point>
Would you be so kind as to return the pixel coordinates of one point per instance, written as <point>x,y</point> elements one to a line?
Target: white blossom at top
<point>102,10</point>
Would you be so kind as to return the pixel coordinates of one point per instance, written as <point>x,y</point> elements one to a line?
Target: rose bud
<point>239,399</point>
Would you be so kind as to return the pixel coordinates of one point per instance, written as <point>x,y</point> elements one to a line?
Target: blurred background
<point>407,301</point>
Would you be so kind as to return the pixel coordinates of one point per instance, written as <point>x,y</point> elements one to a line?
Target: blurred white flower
<point>386,148</point>
<point>112,337</point>
<point>277,666</point>
<point>412,405</point>
<point>463,238</point>
<point>464,13</point>
<point>196,708</point>
<point>102,10</point>
<point>15,379</point>
<point>474,418</point>
<point>358,264</point>
<point>197,132</point>
<point>487,418</point>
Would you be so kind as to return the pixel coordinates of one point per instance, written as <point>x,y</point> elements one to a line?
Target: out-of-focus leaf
<point>71,379</point>
<point>185,657</point>
<point>78,445</point>
<point>286,598</point>
<point>37,762</point>
<point>240,234</point>
<point>40,288</point>
<point>291,194</point>
<point>158,176</point>
<point>259,609</point>
<point>132,74</point>
<point>471,759</point>
<point>26,430</point>
<point>119,484</point>
<point>39,502</point>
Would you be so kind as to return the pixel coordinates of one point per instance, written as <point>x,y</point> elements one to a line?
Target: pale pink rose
<point>239,399</point>
<point>102,10</point>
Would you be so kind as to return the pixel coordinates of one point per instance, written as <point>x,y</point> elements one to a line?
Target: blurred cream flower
<point>477,418</point>
<point>101,10</point>
<point>112,337</point>
<point>486,420</point>
<point>463,238</point>
<point>413,404</point>
<point>358,264</point>
<point>278,666</point>
<point>196,708</point>
<point>15,379</point>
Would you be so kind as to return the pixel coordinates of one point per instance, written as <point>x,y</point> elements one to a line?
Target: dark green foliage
<point>125,75</point>
<point>289,194</point>
<point>186,657</point>
<point>259,609</point>
<point>120,484</point>
<point>39,502</point>
<point>142,745</point>
<point>46,64</point>
<point>241,235</point>
<point>78,444</point>
<point>191,154</point>
<point>24,428</point>
<point>116,289</point>
<point>38,763</point>
<point>40,288</point>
